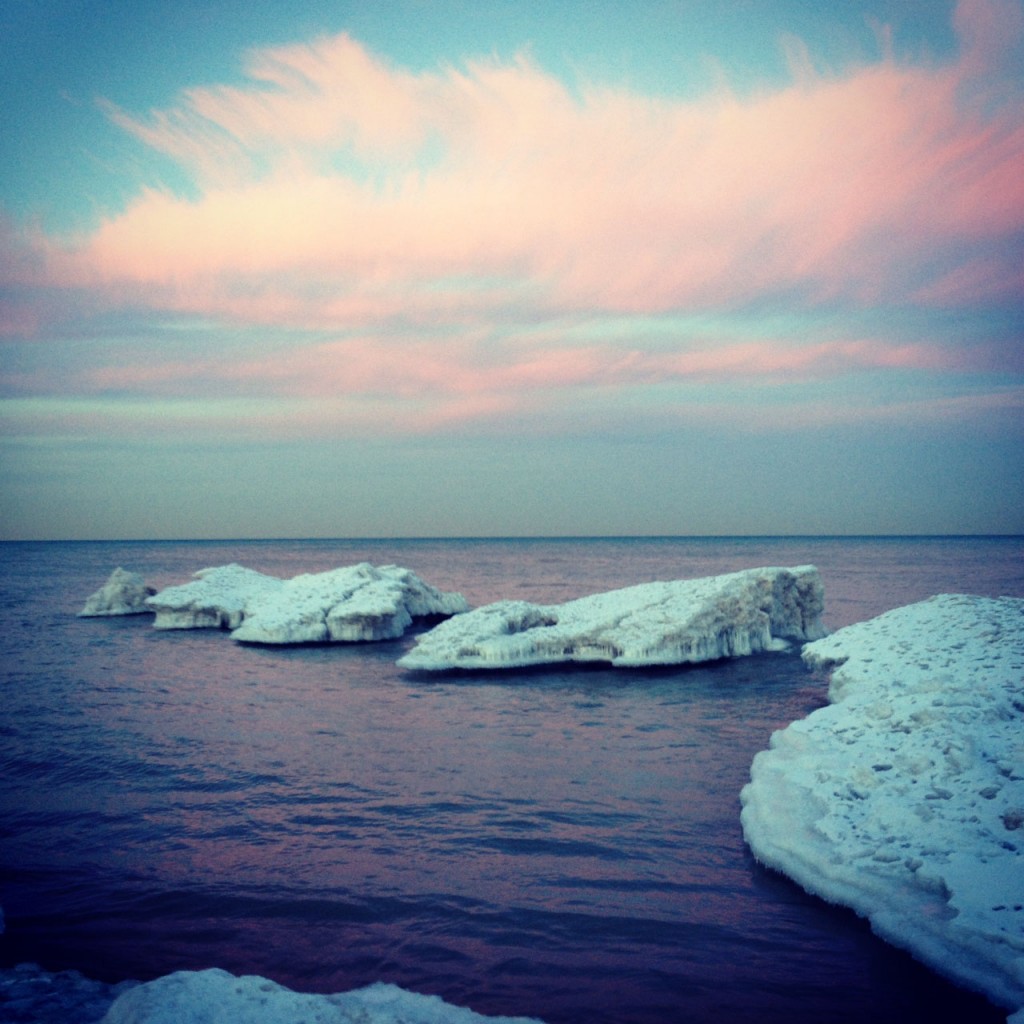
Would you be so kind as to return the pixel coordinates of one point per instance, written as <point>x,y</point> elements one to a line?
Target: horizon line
<point>510,537</point>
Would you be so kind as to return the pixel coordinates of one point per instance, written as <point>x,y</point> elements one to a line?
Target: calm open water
<point>558,843</point>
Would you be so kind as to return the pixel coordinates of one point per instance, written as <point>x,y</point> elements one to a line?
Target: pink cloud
<point>332,415</point>
<point>495,178</point>
<point>302,103</point>
<point>987,277</point>
<point>991,34</point>
<point>431,382</point>
<point>441,226</point>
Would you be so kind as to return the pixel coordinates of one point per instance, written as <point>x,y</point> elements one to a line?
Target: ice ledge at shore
<point>124,593</point>
<point>216,997</point>
<point>356,602</point>
<point>904,798</point>
<point>660,623</point>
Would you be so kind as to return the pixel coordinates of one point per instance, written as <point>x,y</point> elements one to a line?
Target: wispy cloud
<point>372,365</point>
<point>420,226</point>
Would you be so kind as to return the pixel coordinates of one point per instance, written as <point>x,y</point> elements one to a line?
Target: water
<point>561,843</point>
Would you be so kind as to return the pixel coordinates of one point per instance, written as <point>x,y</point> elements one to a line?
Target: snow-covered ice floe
<point>904,798</point>
<point>359,602</point>
<point>124,593</point>
<point>660,623</point>
<point>216,997</point>
<point>356,602</point>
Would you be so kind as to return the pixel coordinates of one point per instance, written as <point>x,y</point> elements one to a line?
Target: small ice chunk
<point>215,997</point>
<point>659,623</point>
<point>124,593</point>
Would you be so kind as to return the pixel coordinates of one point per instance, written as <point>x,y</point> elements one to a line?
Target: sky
<point>511,268</point>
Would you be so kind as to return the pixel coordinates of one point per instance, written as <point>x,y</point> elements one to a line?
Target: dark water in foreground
<point>556,843</point>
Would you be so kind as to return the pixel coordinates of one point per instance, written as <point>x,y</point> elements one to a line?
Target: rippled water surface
<point>561,843</point>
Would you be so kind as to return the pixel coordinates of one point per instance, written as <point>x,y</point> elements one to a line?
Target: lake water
<point>559,843</point>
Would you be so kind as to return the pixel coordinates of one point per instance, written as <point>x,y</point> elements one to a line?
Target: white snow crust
<point>357,602</point>
<point>904,798</point>
<point>220,598</point>
<point>124,593</point>
<point>659,623</point>
<point>216,997</point>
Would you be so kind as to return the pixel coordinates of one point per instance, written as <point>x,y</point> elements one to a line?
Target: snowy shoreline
<point>903,799</point>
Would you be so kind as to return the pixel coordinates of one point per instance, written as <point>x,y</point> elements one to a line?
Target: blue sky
<point>439,268</point>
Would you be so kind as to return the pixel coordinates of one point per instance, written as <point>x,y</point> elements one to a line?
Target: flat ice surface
<point>124,593</point>
<point>216,997</point>
<point>356,602</point>
<point>660,623</point>
<point>904,798</point>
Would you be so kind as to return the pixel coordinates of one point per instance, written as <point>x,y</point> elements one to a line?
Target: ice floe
<point>357,602</point>
<point>215,997</point>
<point>659,623</point>
<point>904,798</point>
<point>124,593</point>
<point>360,602</point>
